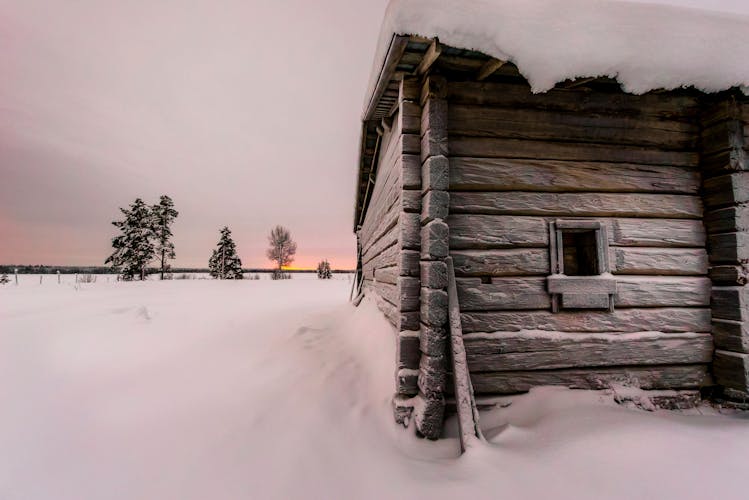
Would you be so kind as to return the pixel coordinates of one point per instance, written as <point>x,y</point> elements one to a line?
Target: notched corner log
<point>434,240</point>
<point>434,274</point>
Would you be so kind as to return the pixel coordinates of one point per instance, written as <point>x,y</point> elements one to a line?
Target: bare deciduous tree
<point>282,247</point>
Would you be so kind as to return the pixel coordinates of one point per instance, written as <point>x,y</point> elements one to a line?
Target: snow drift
<point>202,389</point>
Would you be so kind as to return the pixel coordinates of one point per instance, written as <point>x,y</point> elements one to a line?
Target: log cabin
<point>596,237</point>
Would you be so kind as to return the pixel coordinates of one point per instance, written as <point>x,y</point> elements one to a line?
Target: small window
<point>580,252</point>
<point>580,276</point>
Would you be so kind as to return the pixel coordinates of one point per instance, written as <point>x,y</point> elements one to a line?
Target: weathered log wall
<point>517,161</point>
<point>725,145</point>
<point>390,234</point>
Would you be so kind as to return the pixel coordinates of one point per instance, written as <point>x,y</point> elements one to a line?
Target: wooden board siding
<point>518,161</point>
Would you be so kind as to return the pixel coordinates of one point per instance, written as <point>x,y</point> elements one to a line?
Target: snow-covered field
<point>201,389</point>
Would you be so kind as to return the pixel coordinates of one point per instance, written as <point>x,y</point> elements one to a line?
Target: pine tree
<point>133,249</point>
<point>163,216</point>
<point>323,270</point>
<point>4,279</point>
<point>224,262</point>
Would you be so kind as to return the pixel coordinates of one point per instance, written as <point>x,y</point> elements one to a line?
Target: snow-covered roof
<point>643,46</point>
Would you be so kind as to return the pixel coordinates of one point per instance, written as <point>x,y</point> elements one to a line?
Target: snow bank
<point>643,46</point>
<point>201,389</point>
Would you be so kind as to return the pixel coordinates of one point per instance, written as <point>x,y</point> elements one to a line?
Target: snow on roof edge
<point>644,46</point>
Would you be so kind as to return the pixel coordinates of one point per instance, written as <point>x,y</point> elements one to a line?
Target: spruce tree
<point>163,216</point>
<point>224,262</point>
<point>323,270</point>
<point>133,248</point>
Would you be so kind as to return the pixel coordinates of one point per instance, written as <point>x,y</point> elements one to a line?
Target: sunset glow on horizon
<point>104,102</point>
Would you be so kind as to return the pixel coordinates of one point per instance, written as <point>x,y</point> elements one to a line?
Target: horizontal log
<point>506,174</point>
<point>646,377</point>
<point>647,291</point>
<point>730,302</point>
<point>503,294</point>
<point>631,291</point>
<point>387,275</point>
<point>726,190</point>
<point>503,231</point>
<point>384,243</point>
<point>490,231</point>
<point>659,261</point>
<point>624,260</point>
<point>501,262</point>
<point>488,147</point>
<point>729,248</point>
<point>668,106</point>
<point>576,204</point>
<point>543,125</point>
<point>728,220</point>
<point>731,370</point>
<point>554,350</point>
<point>729,275</point>
<point>581,285</point>
<point>667,319</point>
<point>731,335</point>
<point>722,135</point>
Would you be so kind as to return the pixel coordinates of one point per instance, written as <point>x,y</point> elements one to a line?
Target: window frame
<point>586,291</point>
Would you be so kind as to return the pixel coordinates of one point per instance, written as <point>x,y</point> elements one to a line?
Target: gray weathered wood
<point>731,335</point>
<point>407,350</point>
<point>729,248</point>
<point>546,351</point>
<point>489,67</point>
<point>576,204</point>
<point>387,275</point>
<point>396,49</point>
<point>409,231</point>
<point>661,261</point>
<point>729,275</point>
<point>726,190</point>
<point>498,174</point>
<point>489,147</point>
<point>731,370</point>
<point>468,417</point>
<point>728,220</point>
<point>435,206</point>
<point>434,274</point>
<point>671,319</point>
<point>433,307</point>
<point>501,231</point>
<point>534,124</point>
<point>648,106</point>
<point>434,240</point>
<point>533,293</point>
<point>501,262</point>
<point>730,302</point>
<point>647,377</point>
<point>430,57</point>
<point>624,260</point>
<point>490,231</point>
<point>434,174</point>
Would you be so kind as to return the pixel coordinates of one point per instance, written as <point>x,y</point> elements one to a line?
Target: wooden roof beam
<point>430,57</point>
<point>489,68</point>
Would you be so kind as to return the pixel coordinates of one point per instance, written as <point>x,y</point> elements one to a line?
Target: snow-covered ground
<point>200,389</point>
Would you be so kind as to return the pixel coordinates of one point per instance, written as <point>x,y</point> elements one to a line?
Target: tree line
<point>146,236</point>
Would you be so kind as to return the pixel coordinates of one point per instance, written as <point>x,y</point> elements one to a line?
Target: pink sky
<point>245,112</point>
